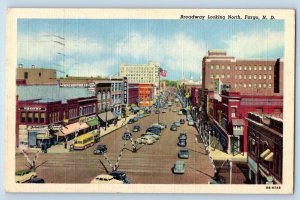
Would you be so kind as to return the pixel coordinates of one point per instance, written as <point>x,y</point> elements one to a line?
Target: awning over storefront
<point>43,136</point>
<point>267,155</point>
<point>109,116</point>
<point>93,122</point>
<point>72,128</point>
<point>135,108</point>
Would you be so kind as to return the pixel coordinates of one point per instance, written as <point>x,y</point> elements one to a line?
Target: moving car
<point>36,180</point>
<point>173,127</point>
<point>131,121</point>
<point>100,149</point>
<point>120,175</point>
<point>179,167</point>
<point>182,121</point>
<point>127,135</point>
<point>22,176</point>
<point>183,153</point>
<point>135,119</point>
<point>182,143</point>
<point>154,130</point>
<point>147,139</point>
<point>157,112</point>
<point>180,112</point>
<point>106,179</point>
<point>136,128</point>
<point>174,110</point>
<point>177,123</point>
<point>160,125</point>
<point>164,110</point>
<point>155,136</point>
<point>182,136</point>
<point>191,123</point>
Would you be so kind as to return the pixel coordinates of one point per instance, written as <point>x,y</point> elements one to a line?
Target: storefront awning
<point>43,136</point>
<point>135,108</point>
<point>93,122</point>
<point>109,116</point>
<point>237,122</point>
<point>267,155</point>
<point>72,128</point>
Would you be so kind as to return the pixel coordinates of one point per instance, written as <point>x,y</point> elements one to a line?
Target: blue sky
<point>97,47</point>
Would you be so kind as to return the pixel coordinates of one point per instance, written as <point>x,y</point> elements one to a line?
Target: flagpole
<point>159,70</point>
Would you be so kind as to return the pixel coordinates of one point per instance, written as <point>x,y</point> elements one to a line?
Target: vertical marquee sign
<point>125,91</point>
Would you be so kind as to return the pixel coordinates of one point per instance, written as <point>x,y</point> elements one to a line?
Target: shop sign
<point>74,85</point>
<point>89,118</point>
<point>252,164</point>
<point>125,90</point>
<point>33,108</point>
<point>37,128</point>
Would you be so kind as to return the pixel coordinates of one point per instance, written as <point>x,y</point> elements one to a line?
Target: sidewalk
<point>216,154</point>
<point>59,148</point>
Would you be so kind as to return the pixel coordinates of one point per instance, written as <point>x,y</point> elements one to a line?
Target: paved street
<point>151,164</point>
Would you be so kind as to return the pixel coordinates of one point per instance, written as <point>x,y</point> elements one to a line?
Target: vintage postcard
<point>154,100</point>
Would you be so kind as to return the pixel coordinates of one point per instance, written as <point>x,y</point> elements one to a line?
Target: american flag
<point>163,73</point>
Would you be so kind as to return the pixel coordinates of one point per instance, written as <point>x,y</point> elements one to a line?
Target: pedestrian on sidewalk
<point>65,144</point>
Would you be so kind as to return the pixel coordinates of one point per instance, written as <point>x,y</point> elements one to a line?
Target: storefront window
<point>42,119</point>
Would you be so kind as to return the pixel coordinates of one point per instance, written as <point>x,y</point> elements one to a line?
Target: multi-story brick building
<point>265,138</point>
<point>247,76</point>
<point>35,76</point>
<point>141,94</point>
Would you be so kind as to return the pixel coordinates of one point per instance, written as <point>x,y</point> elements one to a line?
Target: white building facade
<point>141,73</point>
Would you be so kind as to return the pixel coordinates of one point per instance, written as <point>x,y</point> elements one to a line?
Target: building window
<point>228,67</point>
<point>249,85</point>
<point>212,76</point>
<point>235,76</point>
<point>255,68</point>
<point>241,67</point>
<point>240,76</point>
<point>42,119</point>
<point>245,85</point>
<point>254,85</point>
<point>217,66</point>
<point>265,85</point>
<point>217,76</point>
<point>250,77</point>
<point>245,76</point>
<point>259,67</point>
<point>250,68</point>
<point>25,75</point>
<point>236,67</point>
<point>233,111</point>
<point>228,75</point>
<point>245,67</point>
<point>222,75</point>
<point>23,117</point>
<point>270,68</point>
<point>235,85</point>
<point>254,76</point>
<point>223,67</point>
<point>30,116</point>
<point>240,85</point>
<point>259,85</point>
<point>259,76</point>
<point>36,117</point>
<point>265,68</point>
<point>265,76</point>
<point>270,76</point>
<point>270,85</point>
<point>40,74</point>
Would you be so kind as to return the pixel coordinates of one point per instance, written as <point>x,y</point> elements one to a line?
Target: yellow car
<point>24,175</point>
<point>106,179</point>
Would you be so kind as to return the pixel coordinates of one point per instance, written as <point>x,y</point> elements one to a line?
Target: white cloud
<point>253,44</point>
<point>45,46</point>
<point>176,51</point>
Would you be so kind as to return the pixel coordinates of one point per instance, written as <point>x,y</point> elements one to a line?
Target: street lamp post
<point>105,117</point>
<point>159,70</point>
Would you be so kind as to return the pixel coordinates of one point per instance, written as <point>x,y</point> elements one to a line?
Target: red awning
<point>71,128</point>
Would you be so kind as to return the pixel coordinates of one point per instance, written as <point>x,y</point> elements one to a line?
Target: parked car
<point>135,119</point>
<point>191,123</point>
<point>182,143</point>
<point>160,125</point>
<point>174,110</point>
<point>183,153</point>
<point>140,116</point>
<point>24,175</point>
<point>182,136</point>
<point>154,130</point>
<point>164,110</point>
<point>100,149</point>
<point>180,112</point>
<point>177,123</point>
<point>131,121</point>
<point>157,112</point>
<point>136,128</point>
<point>106,179</point>
<point>36,180</point>
<point>120,175</point>
<point>182,121</point>
<point>127,135</point>
<point>179,167</point>
<point>173,127</point>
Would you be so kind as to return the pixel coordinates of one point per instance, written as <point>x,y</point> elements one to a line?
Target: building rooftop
<point>47,93</point>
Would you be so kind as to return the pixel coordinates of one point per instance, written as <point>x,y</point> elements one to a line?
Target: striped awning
<point>267,155</point>
<point>107,115</point>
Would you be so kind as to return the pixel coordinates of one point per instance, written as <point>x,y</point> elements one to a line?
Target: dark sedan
<point>173,127</point>
<point>101,149</point>
<point>136,128</point>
